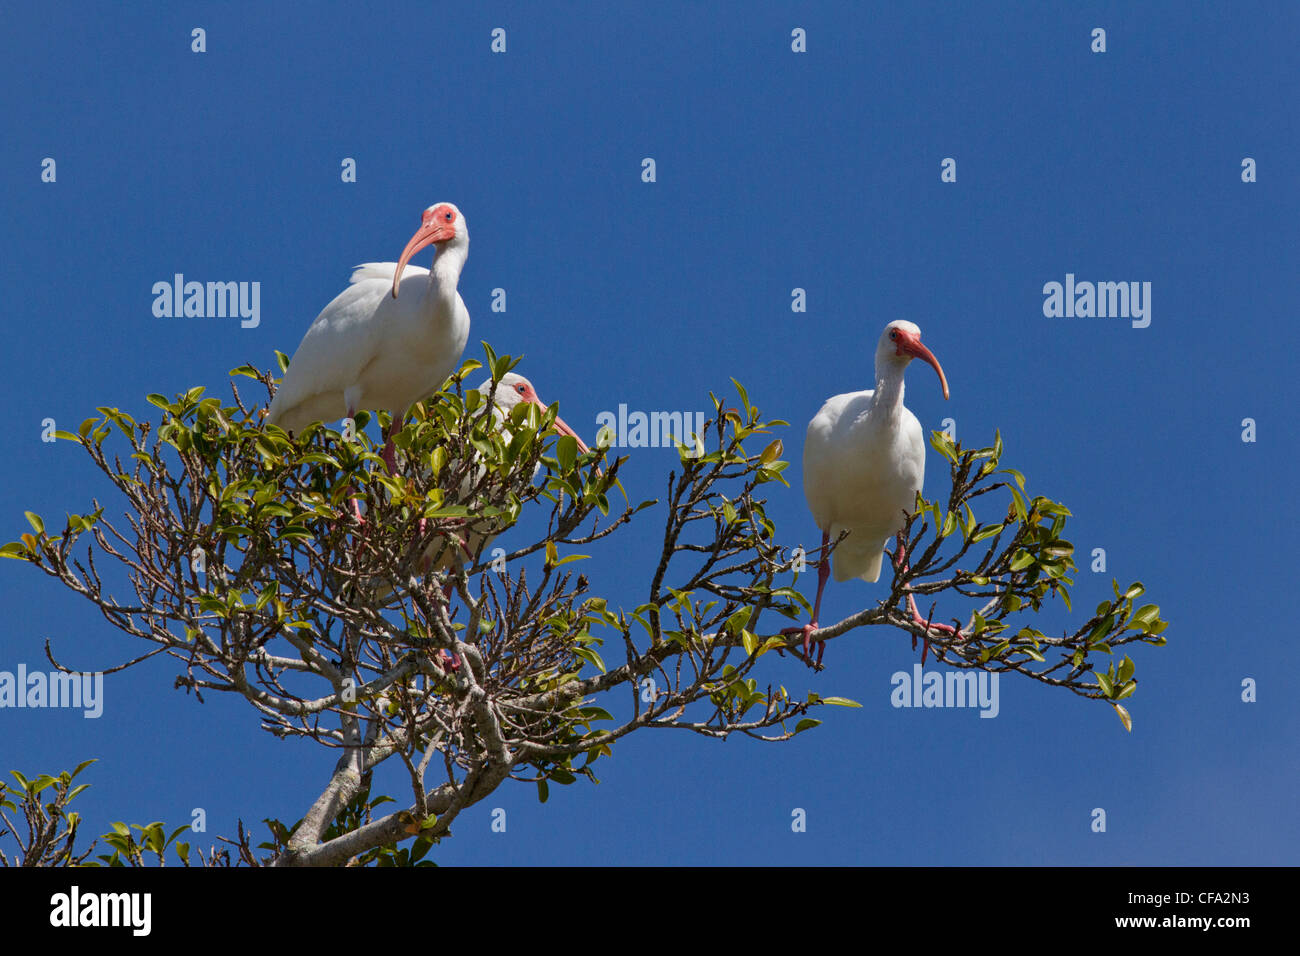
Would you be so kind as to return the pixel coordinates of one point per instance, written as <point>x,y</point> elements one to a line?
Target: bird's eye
<point>893,333</point>
<point>520,389</point>
<point>447,216</point>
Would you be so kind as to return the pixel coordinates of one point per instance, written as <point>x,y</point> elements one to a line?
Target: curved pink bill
<point>912,346</point>
<point>564,429</point>
<point>431,230</point>
<point>561,426</point>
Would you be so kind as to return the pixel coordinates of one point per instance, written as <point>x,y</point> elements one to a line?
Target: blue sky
<point>775,170</point>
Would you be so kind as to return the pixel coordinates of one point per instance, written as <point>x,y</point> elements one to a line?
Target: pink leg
<point>823,574</point>
<point>464,547</point>
<point>911,607</point>
<point>389,455</point>
<point>447,660</point>
<point>390,450</point>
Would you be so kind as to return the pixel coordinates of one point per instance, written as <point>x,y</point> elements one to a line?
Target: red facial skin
<point>909,344</point>
<point>437,225</point>
<point>528,394</point>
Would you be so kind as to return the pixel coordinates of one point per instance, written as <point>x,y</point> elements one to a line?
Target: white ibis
<point>863,463</point>
<point>512,390</point>
<point>372,348</point>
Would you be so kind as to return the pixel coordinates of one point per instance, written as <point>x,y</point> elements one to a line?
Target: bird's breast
<point>862,470</point>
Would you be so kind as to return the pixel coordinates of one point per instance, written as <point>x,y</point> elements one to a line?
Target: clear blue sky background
<point>775,170</point>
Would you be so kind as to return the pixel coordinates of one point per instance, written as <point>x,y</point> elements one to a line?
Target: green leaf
<point>744,396</point>
<point>1021,560</point>
<point>268,592</point>
<point>738,620</point>
<point>840,702</point>
<point>943,445</point>
<point>1126,668</point>
<point>566,452</point>
<point>589,655</point>
<point>1104,682</point>
<point>35,521</point>
<point>808,723</point>
<point>1018,503</point>
<point>1100,629</point>
<point>1145,616</point>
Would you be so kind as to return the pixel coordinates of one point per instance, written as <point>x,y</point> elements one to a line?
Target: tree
<point>383,639</point>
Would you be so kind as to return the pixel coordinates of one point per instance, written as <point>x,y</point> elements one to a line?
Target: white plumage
<point>380,344</point>
<point>870,502</point>
<point>864,458</point>
<point>864,462</point>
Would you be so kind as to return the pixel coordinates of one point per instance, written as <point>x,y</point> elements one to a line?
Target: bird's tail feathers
<point>863,560</point>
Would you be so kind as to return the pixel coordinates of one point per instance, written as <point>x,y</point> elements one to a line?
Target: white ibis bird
<point>372,348</point>
<point>511,390</point>
<point>863,463</point>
